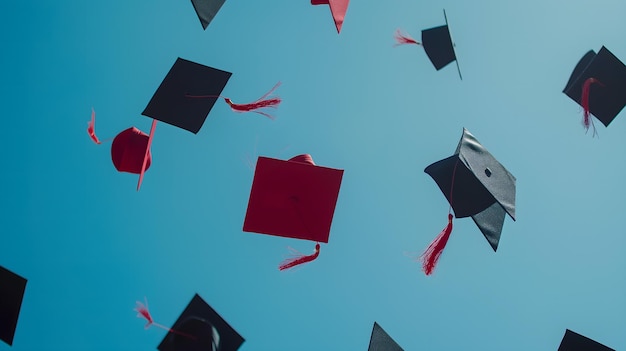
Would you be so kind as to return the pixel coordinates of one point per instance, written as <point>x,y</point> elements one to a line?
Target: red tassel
<point>258,104</point>
<point>584,101</point>
<point>143,312</point>
<point>430,257</point>
<point>300,259</point>
<point>402,39</point>
<point>251,107</point>
<point>91,128</point>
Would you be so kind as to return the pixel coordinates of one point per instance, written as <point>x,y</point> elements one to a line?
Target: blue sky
<point>90,245</point>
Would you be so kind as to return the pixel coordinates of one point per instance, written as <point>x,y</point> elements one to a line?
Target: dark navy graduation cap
<point>437,43</point>
<point>598,85</point>
<point>206,10</point>
<point>476,185</point>
<point>575,342</point>
<point>12,288</point>
<point>381,341</point>
<point>200,328</point>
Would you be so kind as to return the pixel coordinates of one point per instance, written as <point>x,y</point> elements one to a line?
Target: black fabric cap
<point>206,10</point>
<point>12,288</point>
<point>605,102</point>
<point>381,341</point>
<point>172,104</point>
<point>200,328</point>
<point>483,188</point>
<point>575,342</point>
<point>438,46</point>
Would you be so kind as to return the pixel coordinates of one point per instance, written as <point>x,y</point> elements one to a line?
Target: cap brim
<point>147,155</point>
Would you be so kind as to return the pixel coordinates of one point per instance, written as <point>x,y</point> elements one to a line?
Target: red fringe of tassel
<point>430,257</point>
<point>91,128</point>
<point>402,39</point>
<point>584,101</point>
<point>254,106</point>
<point>298,260</point>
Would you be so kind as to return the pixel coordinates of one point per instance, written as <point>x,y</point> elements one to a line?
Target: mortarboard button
<point>338,9</point>
<point>294,199</point>
<point>575,342</point>
<point>200,328</point>
<point>12,288</point>
<point>381,341</point>
<point>476,185</point>
<point>437,43</point>
<point>598,85</point>
<point>206,10</point>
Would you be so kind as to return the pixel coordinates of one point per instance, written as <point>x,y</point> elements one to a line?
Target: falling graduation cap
<point>381,341</point>
<point>184,99</point>
<point>294,199</point>
<point>598,85</point>
<point>575,342</point>
<point>207,10</point>
<point>338,9</point>
<point>129,148</point>
<point>199,328</point>
<point>437,43</point>
<point>12,288</point>
<point>476,185</point>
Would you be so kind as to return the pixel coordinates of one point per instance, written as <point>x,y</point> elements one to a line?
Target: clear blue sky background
<point>90,245</point>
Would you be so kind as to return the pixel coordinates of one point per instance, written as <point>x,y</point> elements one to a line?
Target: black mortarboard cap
<point>206,10</point>
<point>438,45</point>
<point>607,98</point>
<point>200,328</point>
<point>575,342</point>
<point>12,288</point>
<point>172,104</point>
<point>482,189</point>
<point>381,341</point>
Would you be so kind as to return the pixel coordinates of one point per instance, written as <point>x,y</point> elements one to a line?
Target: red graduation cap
<point>294,199</point>
<point>128,149</point>
<point>338,9</point>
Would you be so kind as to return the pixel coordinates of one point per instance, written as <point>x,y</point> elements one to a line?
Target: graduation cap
<point>437,43</point>
<point>206,10</point>
<point>128,149</point>
<point>575,342</point>
<point>12,288</point>
<point>381,341</point>
<point>294,199</point>
<point>199,328</point>
<point>338,9</point>
<point>598,85</point>
<point>476,185</point>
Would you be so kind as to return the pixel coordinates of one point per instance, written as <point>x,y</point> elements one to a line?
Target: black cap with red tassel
<point>477,185</point>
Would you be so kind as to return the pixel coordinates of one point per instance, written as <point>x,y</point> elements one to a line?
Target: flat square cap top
<point>200,328</point>
<point>294,199</point>
<point>381,341</point>
<point>338,9</point>
<point>608,97</point>
<point>206,10</point>
<point>172,104</point>
<point>12,288</point>
<point>437,43</point>
<point>476,185</point>
<point>575,342</point>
